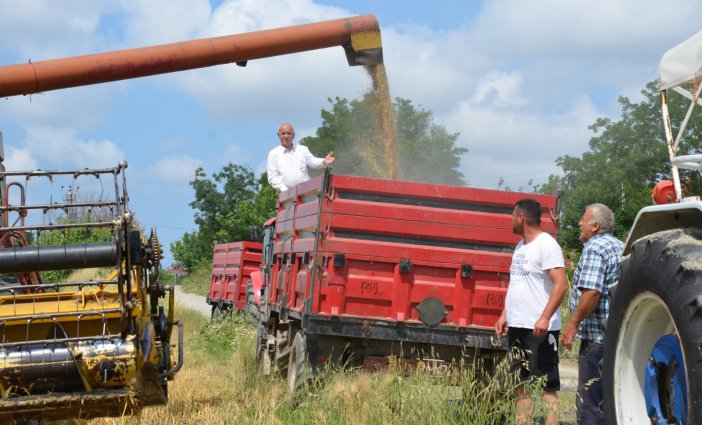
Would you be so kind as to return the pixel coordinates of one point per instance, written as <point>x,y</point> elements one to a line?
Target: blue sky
<point>520,80</point>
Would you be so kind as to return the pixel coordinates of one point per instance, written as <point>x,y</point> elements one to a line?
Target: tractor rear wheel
<point>651,369</point>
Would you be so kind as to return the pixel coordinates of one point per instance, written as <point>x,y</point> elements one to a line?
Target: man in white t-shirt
<point>532,317</point>
<point>287,163</point>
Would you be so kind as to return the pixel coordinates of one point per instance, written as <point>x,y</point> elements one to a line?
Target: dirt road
<point>192,301</point>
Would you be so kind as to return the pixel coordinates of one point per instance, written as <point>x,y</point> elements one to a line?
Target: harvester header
<point>358,35</point>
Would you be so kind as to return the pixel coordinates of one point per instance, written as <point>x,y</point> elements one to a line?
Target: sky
<point>520,80</point>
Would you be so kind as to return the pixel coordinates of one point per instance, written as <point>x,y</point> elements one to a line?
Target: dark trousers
<point>589,398</point>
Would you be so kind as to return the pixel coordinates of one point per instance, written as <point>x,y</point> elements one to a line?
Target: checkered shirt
<point>598,269</point>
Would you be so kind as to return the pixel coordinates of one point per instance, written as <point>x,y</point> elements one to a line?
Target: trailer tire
<point>654,326</point>
<point>217,312</point>
<point>298,363</point>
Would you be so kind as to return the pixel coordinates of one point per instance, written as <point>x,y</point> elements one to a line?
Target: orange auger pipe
<point>359,35</point>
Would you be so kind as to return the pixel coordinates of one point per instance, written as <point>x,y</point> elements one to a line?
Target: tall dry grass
<point>220,384</point>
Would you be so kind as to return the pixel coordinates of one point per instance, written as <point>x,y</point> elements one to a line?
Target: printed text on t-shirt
<point>518,268</point>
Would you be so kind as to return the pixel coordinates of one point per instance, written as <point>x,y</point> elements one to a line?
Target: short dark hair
<point>531,208</point>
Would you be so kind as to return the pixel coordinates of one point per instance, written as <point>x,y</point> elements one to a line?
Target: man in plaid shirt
<point>597,271</point>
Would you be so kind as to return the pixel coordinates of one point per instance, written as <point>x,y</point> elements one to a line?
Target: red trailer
<point>357,269</point>
<point>232,265</point>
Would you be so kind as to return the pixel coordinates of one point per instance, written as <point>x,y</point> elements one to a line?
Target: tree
<point>226,205</point>
<point>426,152</point>
<point>626,158</point>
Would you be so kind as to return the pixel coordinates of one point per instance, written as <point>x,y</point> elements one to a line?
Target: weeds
<point>220,384</point>
<point>226,333</point>
<point>198,280</point>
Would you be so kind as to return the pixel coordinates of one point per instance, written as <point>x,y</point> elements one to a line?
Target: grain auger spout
<point>358,35</point>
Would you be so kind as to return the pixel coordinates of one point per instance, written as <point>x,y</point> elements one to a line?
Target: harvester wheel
<point>298,364</point>
<point>651,370</point>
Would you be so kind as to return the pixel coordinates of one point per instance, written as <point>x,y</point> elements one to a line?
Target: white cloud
<point>499,89</point>
<point>284,88</point>
<point>239,16</point>
<point>176,170</point>
<point>80,108</point>
<point>152,22</point>
<point>519,145</point>
<point>62,148</point>
<point>41,29</point>
<point>19,159</point>
<point>569,29</point>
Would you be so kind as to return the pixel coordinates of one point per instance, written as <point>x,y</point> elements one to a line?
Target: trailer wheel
<point>217,312</point>
<point>298,363</point>
<point>651,371</point>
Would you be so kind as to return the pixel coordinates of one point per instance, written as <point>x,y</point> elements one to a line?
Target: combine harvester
<point>102,348</point>
<point>84,348</point>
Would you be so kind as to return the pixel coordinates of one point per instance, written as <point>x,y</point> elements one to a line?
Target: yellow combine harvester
<point>88,348</point>
<point>99,348</point>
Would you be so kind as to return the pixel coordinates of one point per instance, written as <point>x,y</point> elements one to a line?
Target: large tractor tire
<point>652,369</point>
<point>298,364</point>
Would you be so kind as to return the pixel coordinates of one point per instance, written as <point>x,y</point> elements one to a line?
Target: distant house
<point>176,272</point>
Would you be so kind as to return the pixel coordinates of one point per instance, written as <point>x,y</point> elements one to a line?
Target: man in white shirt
<point>287,163</point>
<point>531,319</point>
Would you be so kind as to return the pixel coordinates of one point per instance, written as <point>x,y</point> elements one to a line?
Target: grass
<point>197,281</point>
<point>220,384</point>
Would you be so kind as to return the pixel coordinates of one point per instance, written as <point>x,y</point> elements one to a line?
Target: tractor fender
<point>257,281</point>
<point>657,218</point>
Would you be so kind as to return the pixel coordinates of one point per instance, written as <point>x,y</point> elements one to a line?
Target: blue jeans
<point>588,401</point>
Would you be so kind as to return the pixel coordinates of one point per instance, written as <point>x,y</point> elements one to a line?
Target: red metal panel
<point>479,260</point>
<point>343,183</point>
<point>412,230</point>
<point>251,263</point>
<point>232,265</point>
<point>457,240</point>
<point>446,194</point>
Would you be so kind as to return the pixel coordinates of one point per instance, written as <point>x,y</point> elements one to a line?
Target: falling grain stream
<point>381,151</point>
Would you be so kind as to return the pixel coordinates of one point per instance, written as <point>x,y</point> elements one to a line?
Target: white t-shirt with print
<point>529,284</point>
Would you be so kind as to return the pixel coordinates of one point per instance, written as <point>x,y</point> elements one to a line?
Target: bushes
<point>198,280</point>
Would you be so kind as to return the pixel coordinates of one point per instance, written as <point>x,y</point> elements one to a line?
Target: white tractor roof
<point>682,63</point>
